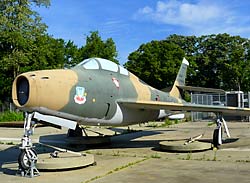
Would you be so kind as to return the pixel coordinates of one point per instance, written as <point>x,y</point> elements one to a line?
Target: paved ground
<point>135,157</point>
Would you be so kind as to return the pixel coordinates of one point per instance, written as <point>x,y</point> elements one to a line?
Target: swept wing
<point>157,105</point>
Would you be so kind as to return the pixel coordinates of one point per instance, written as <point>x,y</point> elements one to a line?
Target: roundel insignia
<point>79,97</point>
<point>116,82</point>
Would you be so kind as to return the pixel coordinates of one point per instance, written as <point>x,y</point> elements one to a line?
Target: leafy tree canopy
<point>24,43</point>
<point>156,63</point>
<point>216,61</point>
<point>96,47</point>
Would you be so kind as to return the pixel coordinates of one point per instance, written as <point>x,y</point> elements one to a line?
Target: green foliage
<point>20,27</point>
<point>167,123</point>
<point>152,125</point>
<point>189,156</point>
<point>176,121</point>
<point>156,155</point>
<point>211,124</point>
<point>11,116</point>
<point>45,3</point>
<point>157,63</point>
<point>96,47</point>
<point>215,156</point>
<point>10,143</point>
<point>186,96</point>
<point>71,54</point>
<point>24,43</point>
<point>130,164</point>
<point>217,61</point>
<point>116,153</point>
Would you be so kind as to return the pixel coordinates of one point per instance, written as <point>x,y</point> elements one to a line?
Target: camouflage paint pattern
<point>101,96</point>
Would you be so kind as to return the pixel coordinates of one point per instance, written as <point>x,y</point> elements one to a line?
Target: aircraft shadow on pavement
<point>128,140</point>
<point>50,143</point>
<point>8,156</point>
<point>224,141</point>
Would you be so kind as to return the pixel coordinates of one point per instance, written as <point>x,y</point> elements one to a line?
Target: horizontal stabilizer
<point>201,89</point>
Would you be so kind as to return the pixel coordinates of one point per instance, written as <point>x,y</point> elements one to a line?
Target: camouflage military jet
<point>100,92</point>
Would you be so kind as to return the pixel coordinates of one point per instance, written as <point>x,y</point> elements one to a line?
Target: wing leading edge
<point>156,105</point>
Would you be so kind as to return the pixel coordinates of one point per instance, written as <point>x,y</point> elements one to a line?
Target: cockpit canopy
<point>104,64</point>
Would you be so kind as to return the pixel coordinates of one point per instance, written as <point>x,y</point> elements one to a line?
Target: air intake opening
<point>22,90</point>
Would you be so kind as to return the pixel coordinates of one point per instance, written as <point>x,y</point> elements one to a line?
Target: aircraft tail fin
<point>180,79</point>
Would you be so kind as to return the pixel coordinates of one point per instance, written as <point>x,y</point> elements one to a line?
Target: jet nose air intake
<point>51,89</point>
<point>22,90</point>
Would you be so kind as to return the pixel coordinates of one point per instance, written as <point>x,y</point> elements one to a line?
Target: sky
<point>131,23</point>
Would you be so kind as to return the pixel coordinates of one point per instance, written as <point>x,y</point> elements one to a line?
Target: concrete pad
<point>178,171</point>
<point>136,157</point>
<point>64,161</point>
<point>182,146</point>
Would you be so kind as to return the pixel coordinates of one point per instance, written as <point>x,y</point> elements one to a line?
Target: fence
<point>7,106</point>
<point>232,98</point>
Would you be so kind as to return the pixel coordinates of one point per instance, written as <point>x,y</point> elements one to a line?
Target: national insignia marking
<point>116,82</point>
<point>79,96</point>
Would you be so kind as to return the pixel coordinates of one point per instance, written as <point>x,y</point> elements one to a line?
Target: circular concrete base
<point>180,146</point>
<point>64,161</point>
<point>92,140</point>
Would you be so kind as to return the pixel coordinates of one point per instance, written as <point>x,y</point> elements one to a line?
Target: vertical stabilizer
<point>180,79</point>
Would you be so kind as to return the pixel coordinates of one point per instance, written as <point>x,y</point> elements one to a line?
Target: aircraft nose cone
<point>46,88</point>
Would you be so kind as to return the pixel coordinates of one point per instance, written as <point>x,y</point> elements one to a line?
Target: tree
<point>47,53</point>
<point>71,54</point>
<point>19,29</point>
<point>45,3</point>
<point>157,63</point>
<point>25,44</point>
<point>96,47</point>
<point>218,61</point>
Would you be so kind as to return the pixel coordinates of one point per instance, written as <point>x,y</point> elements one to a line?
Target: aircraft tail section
<point>180,79</point>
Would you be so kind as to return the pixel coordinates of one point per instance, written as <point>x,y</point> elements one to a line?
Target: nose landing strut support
<point>217,136</point>
<point>27,158</point>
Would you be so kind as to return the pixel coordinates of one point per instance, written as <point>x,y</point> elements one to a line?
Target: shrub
<point>11,116</point>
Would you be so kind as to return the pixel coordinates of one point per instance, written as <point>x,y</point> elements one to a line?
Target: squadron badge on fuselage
<point>79,97</point>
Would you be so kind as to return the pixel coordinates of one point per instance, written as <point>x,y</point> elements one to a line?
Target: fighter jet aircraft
<point>99,92</point>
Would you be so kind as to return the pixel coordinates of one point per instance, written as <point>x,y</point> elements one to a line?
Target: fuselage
<point>89,93</point>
